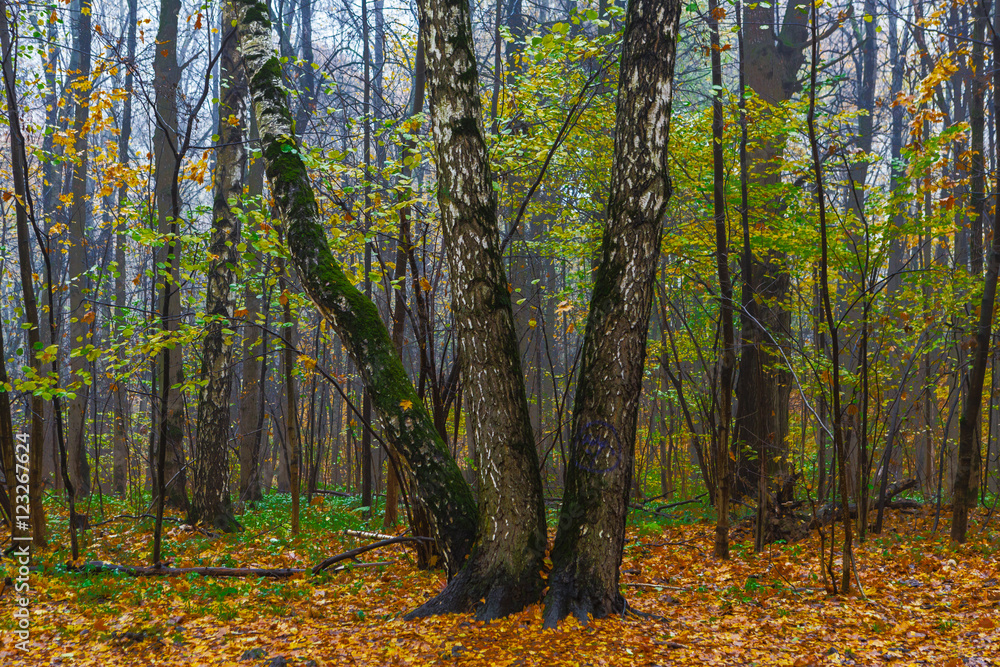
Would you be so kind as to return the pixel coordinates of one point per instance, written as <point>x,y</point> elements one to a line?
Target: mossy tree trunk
<point>504,570</point>
<point>591,533</point>
<point>407,425</point>
<point>211,502</point>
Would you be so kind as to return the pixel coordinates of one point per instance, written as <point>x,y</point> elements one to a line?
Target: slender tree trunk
<point>120,453</point>
<point>170,443</point>
<point>965,490</point>
<point>591,533</point>
<point>211,503</point>
<point>409,429</point>
<point>727,355</point>
<point>24,213</point>
<point>831,322</point>
<point>251,420</point>
<point>81,318</point>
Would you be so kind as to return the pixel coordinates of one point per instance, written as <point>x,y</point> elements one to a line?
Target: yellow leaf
<point>405,404</point>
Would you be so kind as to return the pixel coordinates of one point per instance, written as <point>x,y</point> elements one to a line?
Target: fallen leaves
<point>923,604</point>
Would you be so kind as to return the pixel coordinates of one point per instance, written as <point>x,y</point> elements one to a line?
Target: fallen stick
<point>319,567</point>
<point>370,535</point>
<point>272,573</point>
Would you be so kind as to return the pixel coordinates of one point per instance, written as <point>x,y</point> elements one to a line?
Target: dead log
<point>789,521</point>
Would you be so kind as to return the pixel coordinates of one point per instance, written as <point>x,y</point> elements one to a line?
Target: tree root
<point>485,593</point>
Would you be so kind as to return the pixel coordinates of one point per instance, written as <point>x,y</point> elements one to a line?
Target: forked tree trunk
<point>505,567</point>
<point>591,534</point>
<point>407,425</point>
<point>211,502</point>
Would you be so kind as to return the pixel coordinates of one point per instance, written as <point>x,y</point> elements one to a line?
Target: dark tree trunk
<point>505,567</point>
<point>727,355</point>
<point>170,443</point>
<point>120,453</point>
<point>251,420</point>
<point>762,387</point>
<point>24,212</point>
<point>81,321</point>
<point>591,533</point>
<point>965,491</point>
<point>408,427</point>
<point>211,502</point>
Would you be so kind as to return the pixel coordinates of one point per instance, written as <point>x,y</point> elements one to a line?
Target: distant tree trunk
<point>211,502</point>
<point>773,60</point>
<point>170,443</point>
<point>81,318</point>
<point>366,401</point>
<point>251,419</point>
<point>409,429</point>
<point>120,453</point>
<point>24,213</point>
<point>403,249</point>
<point>727,355</point>
<point>591,535</point>
<point>965,491</point>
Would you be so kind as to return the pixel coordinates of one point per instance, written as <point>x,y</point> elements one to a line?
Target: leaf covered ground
<point>923,603</point>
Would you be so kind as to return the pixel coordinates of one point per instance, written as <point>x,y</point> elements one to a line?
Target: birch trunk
<point>591,534</point>
<point>211,502</point>
<point>504,570</point>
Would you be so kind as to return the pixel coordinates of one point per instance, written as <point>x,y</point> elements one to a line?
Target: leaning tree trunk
<point>505,568</point>
<point>591,535</point>
<point>409,428</point>
<point>968,442</point>
<point>211,502</point>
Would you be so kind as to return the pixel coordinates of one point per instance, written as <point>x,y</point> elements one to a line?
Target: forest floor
<point>923,603</point>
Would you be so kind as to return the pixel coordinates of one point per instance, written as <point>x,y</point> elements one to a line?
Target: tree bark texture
<point>591,533</point>
<point>968,441</point>
<point>165,142</point>
<point>23,213</point>
<point>409,429</point>
<point>81,320</point>
<point>211,502</point>
<point>506,563</point>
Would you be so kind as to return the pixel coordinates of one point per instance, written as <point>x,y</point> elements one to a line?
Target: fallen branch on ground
<point>272,573</point>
